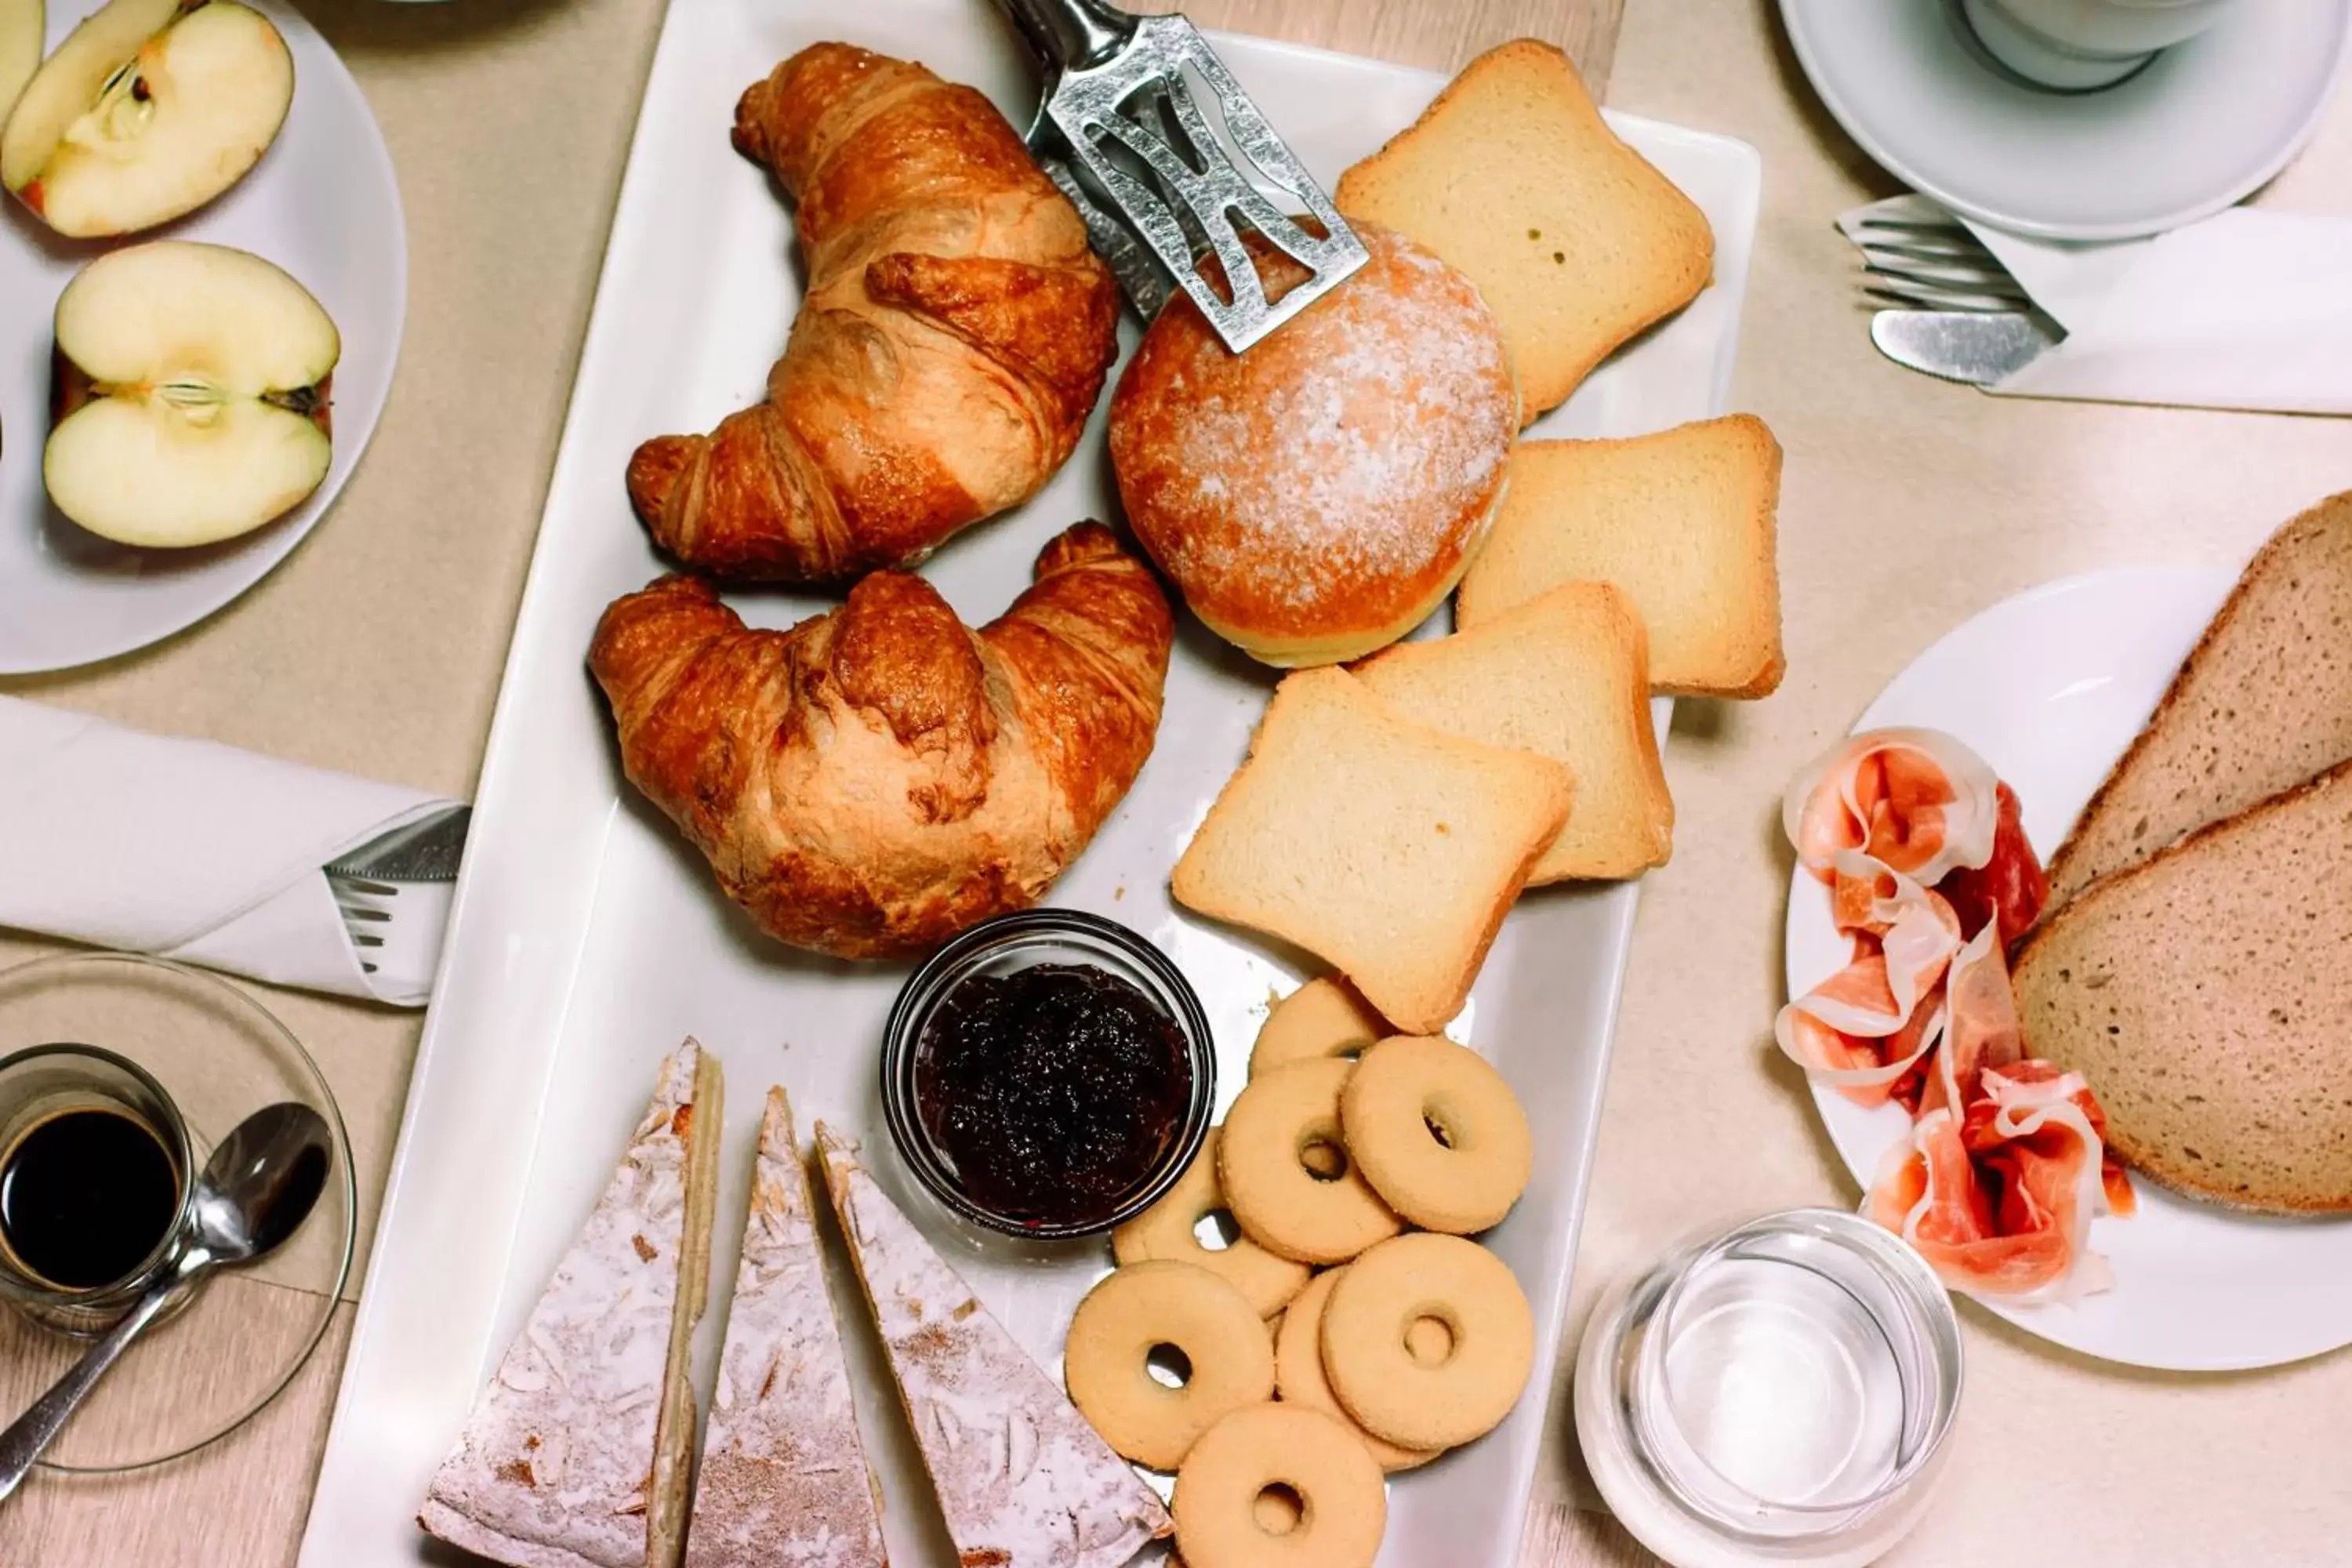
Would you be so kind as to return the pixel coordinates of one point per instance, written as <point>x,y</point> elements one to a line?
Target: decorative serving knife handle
<point>1070,34</point>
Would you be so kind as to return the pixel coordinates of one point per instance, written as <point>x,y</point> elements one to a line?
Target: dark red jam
<point>1054,1091</point>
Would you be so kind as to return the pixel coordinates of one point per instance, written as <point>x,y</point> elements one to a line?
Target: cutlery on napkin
<point>2249,308</point>
<point>203,853</point>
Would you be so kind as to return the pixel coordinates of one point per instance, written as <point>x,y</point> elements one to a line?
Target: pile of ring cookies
<point>1351,1327</point>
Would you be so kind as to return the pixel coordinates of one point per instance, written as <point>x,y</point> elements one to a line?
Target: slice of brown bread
<point>2203,994</point>
<point>2263,702</point>
<point>1389,848</point>
<point>1683,521</point>
<point>1565,674</point>
<point>1576,242</point>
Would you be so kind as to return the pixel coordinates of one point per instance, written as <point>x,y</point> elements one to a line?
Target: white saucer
<point>2049,688</point>
<point>2201,126</point>
<point>322,204</point>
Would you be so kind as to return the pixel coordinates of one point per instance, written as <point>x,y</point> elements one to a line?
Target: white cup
<point>2079,45</point>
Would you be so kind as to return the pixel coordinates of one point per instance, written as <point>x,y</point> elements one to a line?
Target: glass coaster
<point>220,1359</point>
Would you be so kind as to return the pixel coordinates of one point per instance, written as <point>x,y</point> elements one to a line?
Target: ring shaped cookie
<point>1324,1017</point>
<point>1298,1370</point>
<point>1286,1172</point>
<point>1437,1133</point>
<point>1343,1507</point>
<point>1168,1230</point>
<point>1134,1312</point>
<point>1438,1402</point>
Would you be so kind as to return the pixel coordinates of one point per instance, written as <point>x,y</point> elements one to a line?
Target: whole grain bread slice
<point>1389,848</point>
<point>2263,702</point>
<point>2203,991</point>
<point>1566,675</point>
<point>1683,521</point>
<point>1576,241</point>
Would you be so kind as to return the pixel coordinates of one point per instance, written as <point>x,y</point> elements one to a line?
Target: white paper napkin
<point>196,851</point>
<point>2249,308</point>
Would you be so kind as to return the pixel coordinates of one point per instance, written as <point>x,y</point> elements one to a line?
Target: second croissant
<point>880,778</point>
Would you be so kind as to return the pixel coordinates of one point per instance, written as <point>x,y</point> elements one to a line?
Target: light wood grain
<point>1437,34</point>
<point>1558,1536</point>
<point>241,1501</point>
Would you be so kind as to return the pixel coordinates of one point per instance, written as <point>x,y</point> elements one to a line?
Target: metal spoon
<point>255,1191</point>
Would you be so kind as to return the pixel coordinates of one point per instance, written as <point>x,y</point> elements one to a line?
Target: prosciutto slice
<point>1930,873</point>
<point>1916,801</point>
<point>2000,1198</point>
<point>2009,888</point>
<point>1980,1031</point>
<point>1865,1028</point>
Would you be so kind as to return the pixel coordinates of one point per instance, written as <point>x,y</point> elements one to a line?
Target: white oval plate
<point>323,206</point>
<point>2049,688</point>
<point>2202,125</point>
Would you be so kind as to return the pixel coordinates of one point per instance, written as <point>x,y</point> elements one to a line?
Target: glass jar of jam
<point>1048,1074</point>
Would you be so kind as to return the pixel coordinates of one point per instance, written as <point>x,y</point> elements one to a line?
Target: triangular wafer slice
<point>578,1454</point>
<point>783,1477</point>
<point>1023,1479</point>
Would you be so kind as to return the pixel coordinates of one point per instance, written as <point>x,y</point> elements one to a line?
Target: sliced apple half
<point>191,397</point>
<point>24,28</point>
<point>148,110</point>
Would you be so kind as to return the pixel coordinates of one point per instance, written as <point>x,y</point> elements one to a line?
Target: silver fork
<point>1931,264</point>
<point>368,881</point>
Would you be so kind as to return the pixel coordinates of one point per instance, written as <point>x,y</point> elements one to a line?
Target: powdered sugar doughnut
<point>1314,498</point>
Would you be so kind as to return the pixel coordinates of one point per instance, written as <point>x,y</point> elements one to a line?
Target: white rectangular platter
<point>586,939</point>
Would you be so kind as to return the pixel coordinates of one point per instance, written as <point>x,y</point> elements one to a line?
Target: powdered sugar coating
<point>1334,478</point>
<point>1022,1479</point>
<point>784,1482</point>
<point>553,1468</point>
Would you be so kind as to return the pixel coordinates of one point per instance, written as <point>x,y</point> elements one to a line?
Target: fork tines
<point>1923,264</point>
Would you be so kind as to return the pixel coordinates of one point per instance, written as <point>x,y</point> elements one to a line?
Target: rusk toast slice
<point>1385,847</point>
<point>1566,675</point>
<point>1023,1481</point>
<point>1685,522</point>
<point>785,1478</point>
<point>2263,702</point>
<point>1576,241</point>
<point>579,1455</point>
<point>2203,991</point>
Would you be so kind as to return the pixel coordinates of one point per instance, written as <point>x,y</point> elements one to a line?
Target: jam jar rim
<point>937,977</point>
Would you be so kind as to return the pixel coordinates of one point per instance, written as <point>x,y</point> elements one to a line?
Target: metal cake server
<point>1979,347</point>
<point>1122,131</point>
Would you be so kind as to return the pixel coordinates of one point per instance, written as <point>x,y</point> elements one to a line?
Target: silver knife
<point>1975,346</point>
<point>427,850</point>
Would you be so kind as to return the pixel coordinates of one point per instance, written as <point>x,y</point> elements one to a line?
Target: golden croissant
<point>879,778</point>
<point>953,340</point>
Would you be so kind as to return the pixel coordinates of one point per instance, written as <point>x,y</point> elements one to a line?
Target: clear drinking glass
<point>1776,1394</point>
<point>39,1085</point>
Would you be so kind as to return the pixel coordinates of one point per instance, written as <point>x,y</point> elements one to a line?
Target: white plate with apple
<point>196,391</point>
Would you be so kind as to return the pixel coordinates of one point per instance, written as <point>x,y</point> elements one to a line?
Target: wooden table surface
<point>1908,505</point>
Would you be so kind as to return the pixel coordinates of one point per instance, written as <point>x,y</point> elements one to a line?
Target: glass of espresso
<point>95,1184</point>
